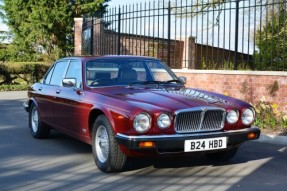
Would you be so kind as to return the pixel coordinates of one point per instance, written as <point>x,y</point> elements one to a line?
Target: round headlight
<point>163,121</point>
<point>142,122</point>
<point>248,116</point>
<point>232,117</point>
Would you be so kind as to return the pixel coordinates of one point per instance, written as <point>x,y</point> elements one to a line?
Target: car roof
<point>87,58</point>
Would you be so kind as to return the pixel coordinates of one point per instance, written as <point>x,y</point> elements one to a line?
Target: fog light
<point>146,144</point>
<point>251,136</point>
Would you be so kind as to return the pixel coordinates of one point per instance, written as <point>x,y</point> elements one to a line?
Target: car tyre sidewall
<point>116,159</point>
<point>41,131</point>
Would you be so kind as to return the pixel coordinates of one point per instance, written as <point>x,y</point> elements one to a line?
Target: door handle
<point>40,89</point>
<point>58,91</point>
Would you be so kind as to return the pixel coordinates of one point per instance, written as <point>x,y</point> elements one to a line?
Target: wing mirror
<point>182,79</point>
<point>69,82</point>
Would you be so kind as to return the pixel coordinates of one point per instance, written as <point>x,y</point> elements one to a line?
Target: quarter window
<point>49,75</point>
<point>58,74</point>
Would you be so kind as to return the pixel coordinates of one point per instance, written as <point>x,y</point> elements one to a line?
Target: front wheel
<point>107,154</point>
<point>38,129</point>
<point>222,156</point>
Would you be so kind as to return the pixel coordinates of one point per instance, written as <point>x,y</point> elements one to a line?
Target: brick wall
<point>230,83</point>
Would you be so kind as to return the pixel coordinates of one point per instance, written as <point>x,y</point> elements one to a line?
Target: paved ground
<point>62,163</point>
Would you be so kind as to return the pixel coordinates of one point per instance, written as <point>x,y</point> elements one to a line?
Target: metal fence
<point>198,34</point>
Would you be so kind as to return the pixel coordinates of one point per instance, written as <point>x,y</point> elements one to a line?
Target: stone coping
<point>231,72</point>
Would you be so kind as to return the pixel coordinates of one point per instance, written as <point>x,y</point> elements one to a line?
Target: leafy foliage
<point>17,87</point>
<point>26,72</point>
<point>43,29</point>
<point>268,114</point>
<point>271,39</point>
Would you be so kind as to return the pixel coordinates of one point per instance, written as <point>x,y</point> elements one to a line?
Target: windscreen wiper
<point>170,81</point>
<point>145,82</point>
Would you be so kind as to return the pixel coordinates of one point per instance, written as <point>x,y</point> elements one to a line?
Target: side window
<point>58,74</point>
<point>49,75</point>
<point>75,71</point>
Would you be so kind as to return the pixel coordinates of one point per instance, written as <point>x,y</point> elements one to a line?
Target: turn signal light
<point>252,136</point>
<point>146,144</point>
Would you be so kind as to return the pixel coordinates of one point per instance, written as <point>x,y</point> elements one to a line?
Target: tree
<point>43,29</point>
<point>271,39</point>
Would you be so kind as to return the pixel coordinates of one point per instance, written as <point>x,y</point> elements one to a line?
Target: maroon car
<point>131,106</point>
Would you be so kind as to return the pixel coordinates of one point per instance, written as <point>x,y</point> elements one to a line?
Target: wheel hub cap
<point>102,144</point>
<point>35,120</point>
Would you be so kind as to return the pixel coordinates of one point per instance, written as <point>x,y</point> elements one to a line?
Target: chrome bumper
<point>176,141</point>
<point>26,105</point>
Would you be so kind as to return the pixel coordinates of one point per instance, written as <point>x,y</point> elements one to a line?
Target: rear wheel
<point>38,129</point>
<point>225,155</point>
<point>107,154</point>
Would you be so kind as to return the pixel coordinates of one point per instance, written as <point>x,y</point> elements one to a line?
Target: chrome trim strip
<point>198,109</point>
<point>139,137</point>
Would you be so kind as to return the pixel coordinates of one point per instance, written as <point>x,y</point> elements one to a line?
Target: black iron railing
<point>236,34</point>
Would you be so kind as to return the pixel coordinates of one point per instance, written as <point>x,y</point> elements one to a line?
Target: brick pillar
<point>99,37</point>
<point>191,52</point>
<point>78,23</point>
<point>188,59</point>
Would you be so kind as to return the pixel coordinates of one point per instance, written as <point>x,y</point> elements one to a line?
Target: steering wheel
<point>98,81</point>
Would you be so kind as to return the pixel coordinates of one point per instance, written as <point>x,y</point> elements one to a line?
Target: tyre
<point>38,129</point>
<point>222,156</point>
<point>107,154</point>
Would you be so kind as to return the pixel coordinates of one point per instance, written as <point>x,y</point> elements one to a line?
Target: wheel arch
<point>94,113</point>
<point>32,101</point>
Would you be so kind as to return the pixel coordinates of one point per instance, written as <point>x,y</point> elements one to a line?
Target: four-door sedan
<point>131,106</point>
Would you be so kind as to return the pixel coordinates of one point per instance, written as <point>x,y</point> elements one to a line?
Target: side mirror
<point>69,82</point>
<point>182,79</point>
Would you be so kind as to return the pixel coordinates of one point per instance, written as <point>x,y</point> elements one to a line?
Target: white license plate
<point>205,144</point>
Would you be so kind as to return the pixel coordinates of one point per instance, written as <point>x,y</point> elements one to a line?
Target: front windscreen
<point>110,72</point>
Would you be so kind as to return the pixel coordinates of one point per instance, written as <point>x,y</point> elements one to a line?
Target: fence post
<point>119,32</point>
<point>236,34</point>
<point>168,34</point>
<point>92,36</point>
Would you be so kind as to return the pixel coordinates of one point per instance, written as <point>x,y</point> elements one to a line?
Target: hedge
<point>18,87</point>
<point>29,72</point>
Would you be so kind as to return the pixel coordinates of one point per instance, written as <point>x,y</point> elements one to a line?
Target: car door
<point>54,89</point>
<point>70,111</point>
<point>44,98</point>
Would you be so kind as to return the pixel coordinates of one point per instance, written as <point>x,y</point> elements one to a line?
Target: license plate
<point>205,144</point>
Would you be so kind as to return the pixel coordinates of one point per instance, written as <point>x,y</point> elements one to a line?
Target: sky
<point>113,3</point>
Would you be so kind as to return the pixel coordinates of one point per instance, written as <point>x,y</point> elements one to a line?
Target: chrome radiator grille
<point>199,119</point>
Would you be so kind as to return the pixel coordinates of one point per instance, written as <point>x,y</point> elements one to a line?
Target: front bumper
<point>175,143</point>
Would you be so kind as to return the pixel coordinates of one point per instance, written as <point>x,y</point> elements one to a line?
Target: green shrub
<point>29,72</point>
<point>268,114</point>
<point>17,87</point>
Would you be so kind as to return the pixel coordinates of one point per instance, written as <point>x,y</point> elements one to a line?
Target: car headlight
<point>163,121</point>
<point>248,116</point>
<point>142,122</point>
<point>232,116</point>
